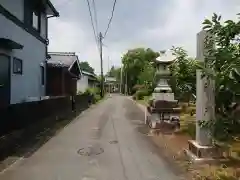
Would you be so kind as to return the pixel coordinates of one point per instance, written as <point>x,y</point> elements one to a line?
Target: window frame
<point>42,69</point>
<point>15,59</point>
<point>39,20</point>
<point>31,9</point>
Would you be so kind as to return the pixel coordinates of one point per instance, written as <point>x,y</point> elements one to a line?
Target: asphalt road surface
<point>107,142</point>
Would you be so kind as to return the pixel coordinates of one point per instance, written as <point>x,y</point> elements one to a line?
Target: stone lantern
<point>163,110</point>
<point>163,91</point>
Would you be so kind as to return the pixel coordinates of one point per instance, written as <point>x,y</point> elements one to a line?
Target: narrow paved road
<point>104,143</point>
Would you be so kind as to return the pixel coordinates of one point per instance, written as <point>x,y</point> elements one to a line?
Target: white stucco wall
<point>82,84</point>
<point>15,7</point>
<point>33,54</point>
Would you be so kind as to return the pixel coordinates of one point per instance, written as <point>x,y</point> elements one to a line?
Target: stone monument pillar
<point>205,98</point>
<point>202,148</point>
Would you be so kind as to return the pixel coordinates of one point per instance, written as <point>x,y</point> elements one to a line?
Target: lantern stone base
<point>198,153</point>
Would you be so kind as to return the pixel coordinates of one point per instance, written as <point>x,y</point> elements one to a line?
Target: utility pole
<point>109,85</point>
<point>126,88</point>
<point>101,59</point>
<point>121,80</point>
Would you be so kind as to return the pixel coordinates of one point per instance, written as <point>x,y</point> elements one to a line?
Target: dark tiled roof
<point>88,74</point>
<point>91,76</point>
<point>55,12</point>
<point>62,59</point>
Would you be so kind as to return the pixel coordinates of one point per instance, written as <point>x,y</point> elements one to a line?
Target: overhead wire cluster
<point>99,38</point>
<point>94,19</point>
<point>110,20</point>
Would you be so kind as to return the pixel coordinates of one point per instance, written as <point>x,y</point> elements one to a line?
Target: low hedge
<point>139,95</point>
<point>95,92</point>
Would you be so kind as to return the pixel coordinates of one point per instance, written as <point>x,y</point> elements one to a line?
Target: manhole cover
<point>89,151</point>
<point>113,142</point>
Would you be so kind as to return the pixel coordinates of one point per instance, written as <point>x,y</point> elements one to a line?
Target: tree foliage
<point>222,64</point>
<point>146,77</point>
<point>183,71</point>
<point>114,72</point>
<point>137,66</point>
<point>86,67</point>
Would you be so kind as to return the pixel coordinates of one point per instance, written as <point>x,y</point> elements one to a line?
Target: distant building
<point>111,85</point>
<point>63,72</point>
<point>110,79</point>
<point>87,80</point>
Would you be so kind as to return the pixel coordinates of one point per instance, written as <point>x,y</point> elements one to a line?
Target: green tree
<point>134,64</point>
<point>183,71</point>
<point>114,72</point>
<point>86,67</point>
<point>222,64</point>
<point>146,77</point>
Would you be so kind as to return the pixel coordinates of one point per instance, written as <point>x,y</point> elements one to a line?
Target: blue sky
<point>157,24</point>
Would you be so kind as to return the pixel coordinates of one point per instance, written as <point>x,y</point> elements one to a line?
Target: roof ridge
<point>63,53</point>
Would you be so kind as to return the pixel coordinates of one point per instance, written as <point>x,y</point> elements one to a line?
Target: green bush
<point>150,91</point>
<point>190,129</point>
<point>97,97</point>
<point>79,92</point>
<point>150,102</point>
<point>134,96</point>
<point>184,107</point>
<point>92,91</point>
<point>141,93</point>
<point>95,92</point>
<point>137,87</point>
<point>191,110</point>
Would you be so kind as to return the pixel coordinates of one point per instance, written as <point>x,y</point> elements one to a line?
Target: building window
<point>17,66</point>
<point>32,14</point>
<point>164,67</point>
<point>36,22</point>
<point>42,75</point>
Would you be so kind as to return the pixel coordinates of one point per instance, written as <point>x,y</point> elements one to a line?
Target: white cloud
<point>172,22</point>
<point>184,20</point>
<point>65,36</point>
<point>70,37</point>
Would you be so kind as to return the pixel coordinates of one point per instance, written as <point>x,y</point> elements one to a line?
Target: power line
<point>110,20</point>
<point>95,15</point>
<point>94,31</point>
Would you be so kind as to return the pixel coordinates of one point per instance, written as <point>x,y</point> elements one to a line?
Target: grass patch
<point>188,125</point>
<point>172,145</point>
<point>144,101</point>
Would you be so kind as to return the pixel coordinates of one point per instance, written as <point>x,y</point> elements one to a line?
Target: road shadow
<point>25,142</point>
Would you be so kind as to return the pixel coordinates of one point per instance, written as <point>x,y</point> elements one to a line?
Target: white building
<point>23,49</point>
<point>87,80</point>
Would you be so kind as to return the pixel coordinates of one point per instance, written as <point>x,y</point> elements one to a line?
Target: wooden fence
<point>18,116</point>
